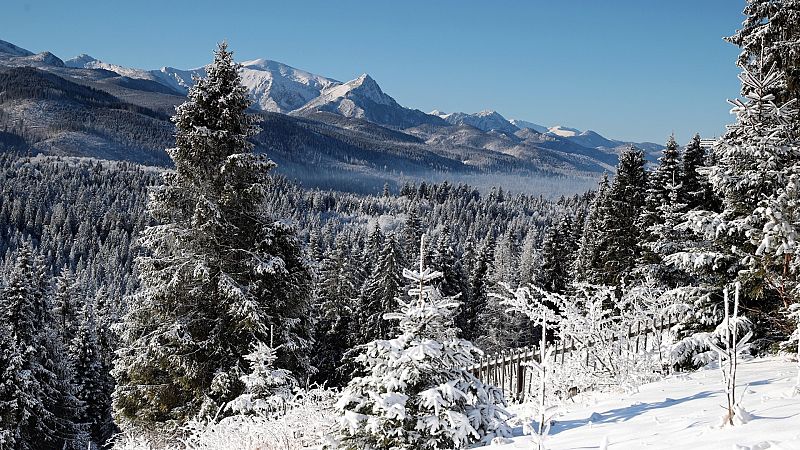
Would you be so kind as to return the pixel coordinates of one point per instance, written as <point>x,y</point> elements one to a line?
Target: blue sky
<point>629,69</point>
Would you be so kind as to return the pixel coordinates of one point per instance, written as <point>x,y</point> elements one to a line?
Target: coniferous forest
<point>217,304</point>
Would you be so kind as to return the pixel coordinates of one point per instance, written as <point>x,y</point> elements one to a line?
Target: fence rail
<point>508,370</point>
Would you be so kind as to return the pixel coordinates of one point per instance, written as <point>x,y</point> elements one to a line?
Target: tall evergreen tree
<point>769,36</point>
<point>35,391</point>
<point>587,265</point>
<point>467,319</point>
<point>620,234</point>
<point>558,255</point>
<point>668,170</point>
<point>218,276</point>
<point>380,292</point>
<point>92,381</point>
<point>695,190</point>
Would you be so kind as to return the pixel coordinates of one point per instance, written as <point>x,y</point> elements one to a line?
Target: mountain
<point>485,120</point>
<point>523,124</point>
<point>362,98</point>
<point>9,49</point>
<point>274,86</point>
<point>562,131</point>
<point>322,132</point>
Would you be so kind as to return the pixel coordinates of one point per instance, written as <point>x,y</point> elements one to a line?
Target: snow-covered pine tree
<point>91,378</point>
<point>379,292</point>
<point>217,274</point>
<point>695,190</point>
<point>267,389</point>
<point>12,388</point>
<point>769,36</point>
<point>754,162</point>
<point>417,393</point>
<point>335,325</point>
<point>558,255</point>
<point>620,234</point>
<point>444,260</point>
<point>529,258</point>
<point>36,393</point>
<point>474,306</point>
<point>668,170</point>
<point>587,266</point>
<point>665,239</point>
<point>67,304</point>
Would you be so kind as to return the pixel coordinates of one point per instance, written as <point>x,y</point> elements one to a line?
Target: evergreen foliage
<point>218,276</point>
<point>417,393</point>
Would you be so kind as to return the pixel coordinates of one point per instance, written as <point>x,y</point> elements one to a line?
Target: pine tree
<point>620,234</point>
<point>67,305</point>
<point>752,172</point>
<point>587,264</point>
<point>443,259</point>
<point>417,393</point>
<point>474,305</point>
<point>218,275</point>
<point>558,255</point>
<point>769,36</point>
<point>695,190</point>
<point>379,293</point>
<point>335,323</point>
<point>92,381</point>
<point>36,394</point>
<point>666,239</point>
<point>669,169</point>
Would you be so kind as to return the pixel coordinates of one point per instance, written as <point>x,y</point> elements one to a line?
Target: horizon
<point>530,70</point>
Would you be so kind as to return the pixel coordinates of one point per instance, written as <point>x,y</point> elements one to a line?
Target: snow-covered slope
<point>362,98</point>
<point>485,120</point>
<point>9,49</point>
<point>274,86</point>
<point>563,131</point>
<point>681,412</point>
<point>523,124</point>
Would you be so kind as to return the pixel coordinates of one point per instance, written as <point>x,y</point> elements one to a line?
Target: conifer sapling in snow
<point>417,393</point>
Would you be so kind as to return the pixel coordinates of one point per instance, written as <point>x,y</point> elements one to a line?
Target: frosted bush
<point>306,423</point>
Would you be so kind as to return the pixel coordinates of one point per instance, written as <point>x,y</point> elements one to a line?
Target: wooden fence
<point>508,369</point>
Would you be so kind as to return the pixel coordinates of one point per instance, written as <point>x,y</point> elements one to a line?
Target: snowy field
<point>681,412</point>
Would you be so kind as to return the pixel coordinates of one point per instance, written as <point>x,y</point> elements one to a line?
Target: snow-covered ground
<point>681,412</point>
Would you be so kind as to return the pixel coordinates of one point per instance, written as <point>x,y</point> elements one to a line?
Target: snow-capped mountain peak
<point>522,124</point>
<point>81,61</point>
<point>486,120</point>
<point>563,131</point>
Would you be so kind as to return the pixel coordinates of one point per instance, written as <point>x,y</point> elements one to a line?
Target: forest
<point>179,308</point>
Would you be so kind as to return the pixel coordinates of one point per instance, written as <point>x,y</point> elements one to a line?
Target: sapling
<point>536,308</point>
<point>727,355</point>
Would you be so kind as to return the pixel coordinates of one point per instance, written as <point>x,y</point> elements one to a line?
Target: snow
<point>486,120</point>
<point>562,131</point>
<point>522,124</point>
<point>682,411</point>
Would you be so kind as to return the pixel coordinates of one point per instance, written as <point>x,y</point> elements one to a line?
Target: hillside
<point>680,412</point>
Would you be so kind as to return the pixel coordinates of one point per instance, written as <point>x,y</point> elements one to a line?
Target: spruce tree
<point>668,170</point>
<point>379,292</point>
<point>92,381</point>
<point>620,233</point>
<point>218,274</point>
<point>558,255</point>
<point>769,37</point>
<point>467,319</point>
<point>587,265</point>
<point>35,392</point>
<point>417,392</point>
<point>695,190</point>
